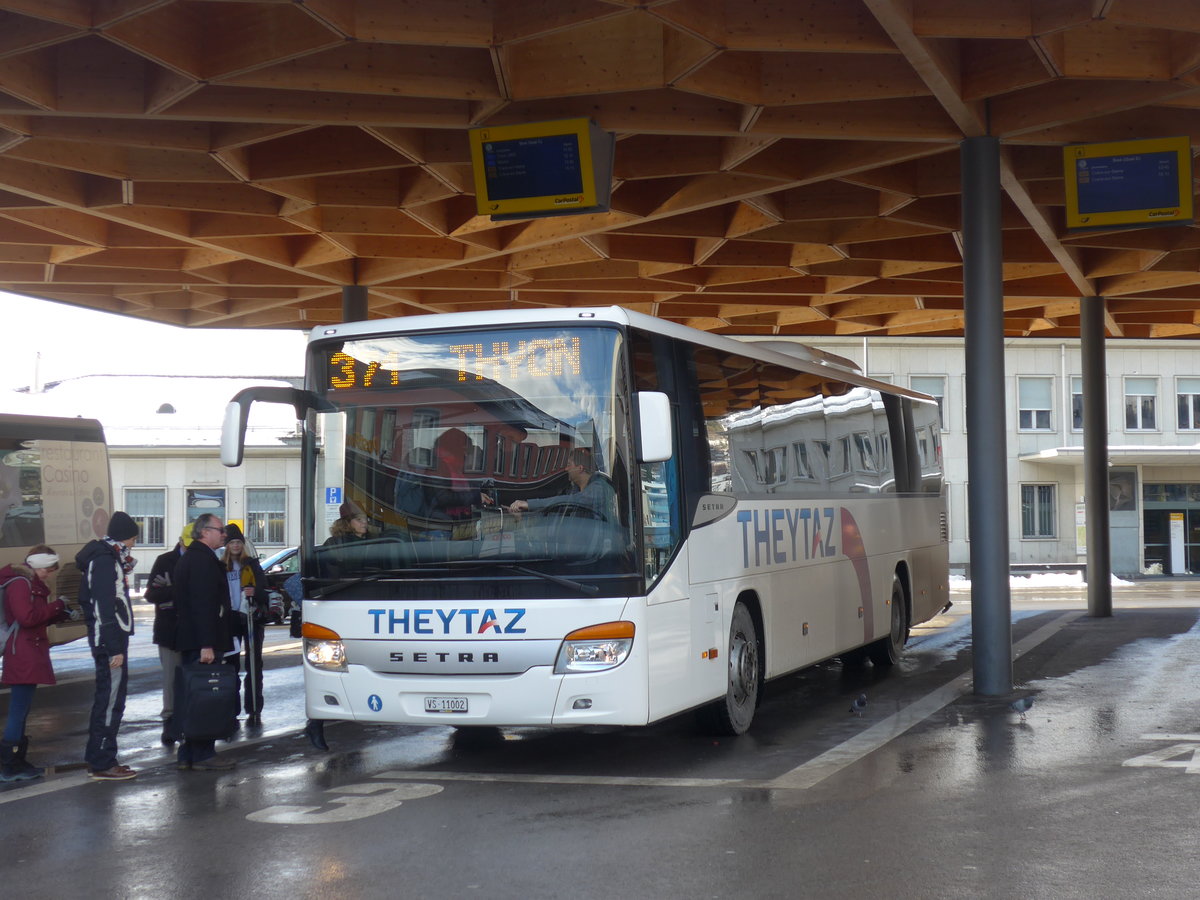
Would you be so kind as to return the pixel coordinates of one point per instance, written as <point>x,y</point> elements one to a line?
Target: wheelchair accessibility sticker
<point>375,702</point>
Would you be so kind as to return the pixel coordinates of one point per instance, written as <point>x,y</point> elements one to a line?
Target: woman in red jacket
<point>28,601</point>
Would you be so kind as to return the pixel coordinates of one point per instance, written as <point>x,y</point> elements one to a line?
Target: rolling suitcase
<point>207,701</point>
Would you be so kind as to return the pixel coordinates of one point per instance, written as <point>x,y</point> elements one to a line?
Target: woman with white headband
<point>30,604</point>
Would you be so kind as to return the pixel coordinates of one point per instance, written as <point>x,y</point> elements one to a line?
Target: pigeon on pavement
<point>859,704</point>
<point>1021,705</point>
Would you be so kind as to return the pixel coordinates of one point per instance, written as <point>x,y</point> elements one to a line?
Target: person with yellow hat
<point>161,593</point>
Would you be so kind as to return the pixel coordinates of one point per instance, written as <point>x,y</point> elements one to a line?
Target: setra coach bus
<point>592,516</point>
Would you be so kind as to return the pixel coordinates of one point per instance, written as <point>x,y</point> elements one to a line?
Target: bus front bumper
<point>536,697</point>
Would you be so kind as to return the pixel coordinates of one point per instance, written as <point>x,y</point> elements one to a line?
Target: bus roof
<point>52,428</point>
<point>802,357</point>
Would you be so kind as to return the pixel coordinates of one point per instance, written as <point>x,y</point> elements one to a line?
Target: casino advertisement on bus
<point>54,492</point>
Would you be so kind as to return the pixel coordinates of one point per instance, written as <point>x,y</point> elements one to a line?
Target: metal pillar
<point>354,303</point>
<point>987,436</point>
<point>1095,457</point>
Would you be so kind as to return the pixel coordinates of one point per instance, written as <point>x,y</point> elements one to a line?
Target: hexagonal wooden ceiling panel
<point>782,166</point>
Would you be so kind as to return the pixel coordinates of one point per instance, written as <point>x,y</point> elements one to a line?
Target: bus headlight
<point>323,648</point>
<point>595,648</point>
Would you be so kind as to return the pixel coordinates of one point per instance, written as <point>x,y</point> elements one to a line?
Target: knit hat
<point>185,536</point>
<point>121,527</point>
<point>233,533</point>
<point>349,510</point>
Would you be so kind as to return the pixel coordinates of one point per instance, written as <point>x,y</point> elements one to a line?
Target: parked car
<point>279,568</point>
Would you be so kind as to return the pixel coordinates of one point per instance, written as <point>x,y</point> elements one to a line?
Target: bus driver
<point>590,490</point>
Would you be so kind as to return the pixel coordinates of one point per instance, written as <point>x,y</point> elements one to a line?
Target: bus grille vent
<point>944,527</point>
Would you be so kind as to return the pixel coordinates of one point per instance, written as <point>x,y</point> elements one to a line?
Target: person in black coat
<point>161,593</point>
<point>203,628</point>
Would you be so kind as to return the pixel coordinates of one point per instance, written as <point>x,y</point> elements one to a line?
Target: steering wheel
<point>567,509</point>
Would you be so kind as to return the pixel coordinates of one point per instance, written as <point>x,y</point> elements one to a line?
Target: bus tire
<point>886,651</point>
<point>733,713</point>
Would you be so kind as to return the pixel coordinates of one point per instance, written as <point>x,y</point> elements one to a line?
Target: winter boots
<point>13,766</point>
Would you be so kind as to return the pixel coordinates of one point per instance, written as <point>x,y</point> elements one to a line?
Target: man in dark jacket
<point>104,596</point>
<point>161,593</point>
<point>203,614</point>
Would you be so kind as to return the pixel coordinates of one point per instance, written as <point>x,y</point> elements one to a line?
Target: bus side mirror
<point>654,427</point>
<point>233,429</point>
<point>233,433</point>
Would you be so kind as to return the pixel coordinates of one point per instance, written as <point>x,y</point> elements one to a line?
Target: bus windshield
<point>498,452</point>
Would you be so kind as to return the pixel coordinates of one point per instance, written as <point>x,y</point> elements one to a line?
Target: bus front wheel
<point>886,651</point>
<point>733,713</point>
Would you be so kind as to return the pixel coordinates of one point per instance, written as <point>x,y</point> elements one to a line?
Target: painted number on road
<point>1184,754</point>
<point>358,802</point>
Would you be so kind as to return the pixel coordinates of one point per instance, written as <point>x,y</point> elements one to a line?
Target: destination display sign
<point>1123,183</point>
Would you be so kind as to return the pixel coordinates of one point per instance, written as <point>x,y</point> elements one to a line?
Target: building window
<point>148,507</point>
<point>1187,399</point>
<point>204,500</point>
<point>934,386</point>
<point>266,515</point>
<point>1140,396</point>
<point>1038,512</point>
<point>1035,402</point>
<point>1076,403</point>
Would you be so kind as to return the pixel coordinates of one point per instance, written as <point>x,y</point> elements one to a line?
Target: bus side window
<point>660,515</point>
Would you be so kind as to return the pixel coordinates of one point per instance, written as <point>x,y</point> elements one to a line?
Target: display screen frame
<point>516,146</point>
<point>1090,206</point>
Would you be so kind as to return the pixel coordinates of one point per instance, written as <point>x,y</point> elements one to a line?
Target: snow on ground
<point>1038,581</point>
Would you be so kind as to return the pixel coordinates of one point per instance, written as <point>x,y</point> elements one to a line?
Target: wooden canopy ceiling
<point>782,166</point>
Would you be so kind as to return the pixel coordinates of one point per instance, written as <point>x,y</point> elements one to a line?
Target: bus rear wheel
<point>886,651</point>
<point>734,712</point>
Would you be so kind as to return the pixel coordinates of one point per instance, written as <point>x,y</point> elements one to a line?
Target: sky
<point>74,341</point>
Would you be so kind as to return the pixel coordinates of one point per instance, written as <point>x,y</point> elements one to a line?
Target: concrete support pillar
<point>1095,457</point>
<point>987,435</point>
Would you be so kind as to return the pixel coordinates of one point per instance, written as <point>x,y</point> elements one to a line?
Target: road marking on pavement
<point>1176,756</point>
<point>1171,737</point>
<point>350,801</point>
<point>604,780</point>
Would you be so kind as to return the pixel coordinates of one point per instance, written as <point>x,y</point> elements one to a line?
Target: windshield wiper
<point>590,589</point>
<point>342,584</point>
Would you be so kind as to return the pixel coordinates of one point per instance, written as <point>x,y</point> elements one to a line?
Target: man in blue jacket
<point>104,596</point>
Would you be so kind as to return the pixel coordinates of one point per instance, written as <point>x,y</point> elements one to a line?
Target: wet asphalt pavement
<point>931,792</point>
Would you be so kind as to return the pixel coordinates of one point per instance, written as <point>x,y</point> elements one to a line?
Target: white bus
<point>591,516</point>
<point>54,489</point>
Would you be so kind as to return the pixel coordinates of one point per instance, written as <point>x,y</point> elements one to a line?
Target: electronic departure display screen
<point>1147,182</point>
<point>541,168</point>
<point>1109,183</point>
<point>531,167</point>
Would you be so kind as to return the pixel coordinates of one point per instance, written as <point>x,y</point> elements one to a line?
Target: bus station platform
<point>924,791</point>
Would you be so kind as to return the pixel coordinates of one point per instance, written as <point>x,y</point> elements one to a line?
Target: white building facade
<point>163,488</point>
<point>1153,412</point>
